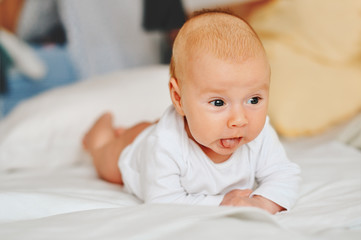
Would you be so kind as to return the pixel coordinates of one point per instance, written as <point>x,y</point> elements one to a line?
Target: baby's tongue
<point>229,142</point>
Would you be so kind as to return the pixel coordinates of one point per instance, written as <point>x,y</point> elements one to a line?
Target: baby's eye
<point>253,100</point>
<point>217,103</point>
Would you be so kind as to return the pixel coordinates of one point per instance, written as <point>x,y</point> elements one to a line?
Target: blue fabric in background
<point>60,72</point>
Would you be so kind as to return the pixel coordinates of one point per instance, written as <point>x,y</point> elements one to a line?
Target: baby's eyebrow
<point>255,91</point>
<point>265,86</point>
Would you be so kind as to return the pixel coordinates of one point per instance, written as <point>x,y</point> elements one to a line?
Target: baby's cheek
<point>254,132</point>
<point>199,137</point>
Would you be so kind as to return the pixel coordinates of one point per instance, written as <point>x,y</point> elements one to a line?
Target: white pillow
<point>46,131</point>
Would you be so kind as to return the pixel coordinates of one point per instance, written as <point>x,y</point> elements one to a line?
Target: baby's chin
<point>225,151</point>
<point>218,154</point>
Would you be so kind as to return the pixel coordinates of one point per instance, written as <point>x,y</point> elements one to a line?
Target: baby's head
<point>222,34</point>
<point>219,82</point>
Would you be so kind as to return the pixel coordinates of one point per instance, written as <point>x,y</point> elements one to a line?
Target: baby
<point>214,145</point>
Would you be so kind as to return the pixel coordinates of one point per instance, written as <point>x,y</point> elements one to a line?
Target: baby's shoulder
<point>170,127</point>
<point>161,136</point>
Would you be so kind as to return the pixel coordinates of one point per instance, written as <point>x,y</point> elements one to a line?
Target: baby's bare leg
<point>105,160</point>
<point>105,144</point>
<point>99,141</point>
<point>100,133</point>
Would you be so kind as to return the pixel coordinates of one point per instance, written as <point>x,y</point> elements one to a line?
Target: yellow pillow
<point>314,48</point>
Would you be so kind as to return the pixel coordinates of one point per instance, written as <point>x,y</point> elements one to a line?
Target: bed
<point>49,189</point>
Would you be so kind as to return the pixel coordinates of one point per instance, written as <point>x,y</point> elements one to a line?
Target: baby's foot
<point>119,131</point>
<point>101,133</point>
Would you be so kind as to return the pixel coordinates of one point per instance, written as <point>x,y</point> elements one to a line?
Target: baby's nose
<point>237,119</point>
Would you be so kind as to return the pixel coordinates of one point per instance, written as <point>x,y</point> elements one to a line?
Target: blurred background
<point>60,42</point>
<point>314,48</point>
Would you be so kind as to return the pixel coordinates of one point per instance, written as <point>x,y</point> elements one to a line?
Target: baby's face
<point>224,102</point>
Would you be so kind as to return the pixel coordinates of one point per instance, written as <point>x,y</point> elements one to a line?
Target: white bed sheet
<point>49,189</point>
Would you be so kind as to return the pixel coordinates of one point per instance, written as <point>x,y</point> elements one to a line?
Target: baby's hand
<point>239,197</point>
<point>235,197</point>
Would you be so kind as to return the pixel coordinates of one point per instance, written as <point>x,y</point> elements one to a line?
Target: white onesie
<point>163,165</point>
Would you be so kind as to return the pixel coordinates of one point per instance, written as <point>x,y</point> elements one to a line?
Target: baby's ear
<point>175,95</point>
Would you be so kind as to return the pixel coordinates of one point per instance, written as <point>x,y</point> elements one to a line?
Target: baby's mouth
<point>230,142</point>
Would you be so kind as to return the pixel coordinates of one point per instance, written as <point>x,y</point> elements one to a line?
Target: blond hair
<point>220,33</point>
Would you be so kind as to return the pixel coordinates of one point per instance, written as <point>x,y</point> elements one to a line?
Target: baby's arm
<point>239,197</point>
<point>277,178</point>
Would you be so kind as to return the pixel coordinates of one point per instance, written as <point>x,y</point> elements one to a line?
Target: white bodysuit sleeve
<point>160,179</point>
<point>278,179</point>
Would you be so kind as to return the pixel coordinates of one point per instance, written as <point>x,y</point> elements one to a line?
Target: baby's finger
<point>246,192</point>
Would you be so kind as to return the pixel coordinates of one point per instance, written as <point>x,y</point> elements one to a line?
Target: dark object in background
<point>166,16</point>
<point>56,34</point>
<point>163,15</point>
<point>5,63</point>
